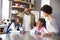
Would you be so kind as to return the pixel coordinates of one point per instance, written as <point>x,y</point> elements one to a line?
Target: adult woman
<point>50,21</point>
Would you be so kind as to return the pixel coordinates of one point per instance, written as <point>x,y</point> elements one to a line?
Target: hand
<point>24,32</point>
<point>45,34</point>
<point>37,33</point>
<point>51,33</point>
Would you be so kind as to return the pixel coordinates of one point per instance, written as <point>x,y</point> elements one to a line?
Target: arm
<point>32,32</point>
<point>53,23</point>
<point>12,27</point>
<point>45,32</point>
<point>34,21</point>
<point>5,28</point>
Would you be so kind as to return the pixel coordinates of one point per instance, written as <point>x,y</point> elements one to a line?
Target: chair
<point>0,38</point>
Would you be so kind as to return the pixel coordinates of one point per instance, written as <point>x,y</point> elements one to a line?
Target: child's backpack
<point>7,31</point>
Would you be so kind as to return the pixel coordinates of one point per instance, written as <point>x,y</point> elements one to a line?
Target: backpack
<point>8,28</point>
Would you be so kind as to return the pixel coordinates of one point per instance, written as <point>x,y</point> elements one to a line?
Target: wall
<point>5,9</point>
<point>38,6</point>
<point>56,10</point>
<point>0,9</point>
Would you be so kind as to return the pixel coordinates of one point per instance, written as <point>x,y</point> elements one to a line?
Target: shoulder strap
<point>8,27</point>
<point>42,29</point>
<point>36,28</point>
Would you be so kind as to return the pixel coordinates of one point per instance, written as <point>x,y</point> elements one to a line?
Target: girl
<point>15,28</point>
<point>40,29</point>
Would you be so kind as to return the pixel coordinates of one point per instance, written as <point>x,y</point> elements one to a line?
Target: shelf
<point>14,13</point>
<point>24,2</point>
<point>17,7</point>
<point>2,32</point>
<point>32,8</point>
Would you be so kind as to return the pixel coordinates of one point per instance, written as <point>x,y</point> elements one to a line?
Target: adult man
<point>28,19</point>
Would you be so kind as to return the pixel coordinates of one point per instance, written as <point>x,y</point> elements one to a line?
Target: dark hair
<point>47,9</point>
<point>20,19</point>
<point>27,8</point>
<point>43,21</point>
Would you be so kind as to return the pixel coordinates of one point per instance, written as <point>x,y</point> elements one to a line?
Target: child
<point>15,28</point>
<point>50,21</point>
<point>40,28</point>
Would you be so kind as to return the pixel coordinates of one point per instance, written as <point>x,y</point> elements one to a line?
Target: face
<point>17,21</point>
<point>39,24</point>
<point>45,14</point>
<point>26,10</point>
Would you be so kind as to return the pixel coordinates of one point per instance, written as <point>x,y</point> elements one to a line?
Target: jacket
<point>32,19</point>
